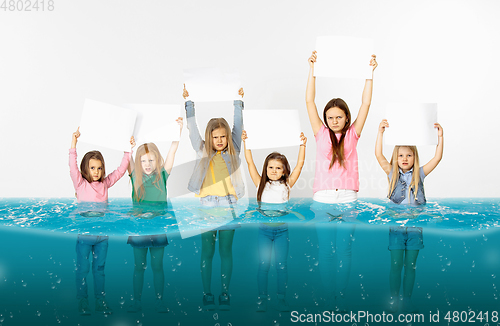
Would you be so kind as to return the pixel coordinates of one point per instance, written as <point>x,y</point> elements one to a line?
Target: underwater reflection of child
<point>91,185</point>
<point>217,181</point>
<point>336,182</point>
<point>149,174</point>
<point>274,188</point>
<point>406,187</point>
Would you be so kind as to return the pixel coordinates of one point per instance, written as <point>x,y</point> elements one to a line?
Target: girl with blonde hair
<point>149,174</point>
<point>217,181</point>
<point>406,187</point>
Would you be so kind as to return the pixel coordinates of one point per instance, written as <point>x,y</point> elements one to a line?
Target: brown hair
<point>264,179</point>
<point>84,165</point>
<point>395,171</point>
<point>138,184</point>
<point>338,145</point>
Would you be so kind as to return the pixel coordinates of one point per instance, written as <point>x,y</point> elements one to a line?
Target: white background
<point>125,51</point>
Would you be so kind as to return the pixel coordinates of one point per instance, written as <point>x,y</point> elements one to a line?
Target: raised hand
<point>132,142</point>
<point>373,61</point>
<point>312,59</point>
<point>439,128</point>
<point>180,122</point>
<point>74,138</point>
<point>185,93</point>
<point>303,139</point>
<point>240,92</point>
<point>383,124</point>
<point>244,135</point>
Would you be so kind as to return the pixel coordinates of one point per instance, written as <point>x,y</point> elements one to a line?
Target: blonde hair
<point>395,171</point>
<point>216,123</point>
<point>148,148</point>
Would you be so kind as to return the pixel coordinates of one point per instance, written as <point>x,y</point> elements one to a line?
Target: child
<point>91,185</point>
<point>274,187</point>
<point>406,187</point>
<point>336,180</point>
<point>149,176</point>
<point>217,181</point>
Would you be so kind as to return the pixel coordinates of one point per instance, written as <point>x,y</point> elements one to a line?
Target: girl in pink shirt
<point>91,185</point>
<point>336,181</point>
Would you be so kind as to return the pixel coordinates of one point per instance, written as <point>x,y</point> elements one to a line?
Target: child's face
<point>148,163</point>
<point>336,119</point>
<point>95,169</point>
<point>274,170</point>
<point>405,159</point>
<point>219,139</point>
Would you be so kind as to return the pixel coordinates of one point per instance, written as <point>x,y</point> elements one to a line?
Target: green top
<point>151,192</point>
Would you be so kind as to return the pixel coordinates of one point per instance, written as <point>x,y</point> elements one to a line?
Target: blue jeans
<point>98,245</point>
<point>267,236</point>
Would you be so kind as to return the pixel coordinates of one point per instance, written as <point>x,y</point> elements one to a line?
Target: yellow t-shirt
<point>217,180</point>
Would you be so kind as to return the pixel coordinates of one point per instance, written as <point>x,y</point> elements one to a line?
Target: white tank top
<point>275,192</point>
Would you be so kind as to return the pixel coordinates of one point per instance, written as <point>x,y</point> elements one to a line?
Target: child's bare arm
<point>254,174</point>
<point>359,123</point>
<point>384,164</point>
<point>169,160</point>
<point>294,176</point>
<point>312,111</point>
<point>429,167</point>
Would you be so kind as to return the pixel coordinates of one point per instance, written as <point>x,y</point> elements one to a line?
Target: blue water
<point>457,270</point>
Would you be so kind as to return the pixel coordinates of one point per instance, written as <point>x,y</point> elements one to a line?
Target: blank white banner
<point>107,125</point>
<point>156,122</point>
<point>211,85</point>
<point>272,128</point>
<point>411,124</point>
<point>343,57</point>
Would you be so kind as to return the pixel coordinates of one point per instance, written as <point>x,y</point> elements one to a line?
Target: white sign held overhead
<point>343,57</point>
<point>272,128</point>
<point>411,124</point>
<point>107,125</point>
<point>211,84</point>
<point>156,122</point>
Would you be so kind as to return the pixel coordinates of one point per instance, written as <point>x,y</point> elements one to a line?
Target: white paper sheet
<point>211,84</point>
<point>272,128</point>
<point>411,124</point>
<point>107,125</point>
<point>343,57</point>
<point>156,122</point>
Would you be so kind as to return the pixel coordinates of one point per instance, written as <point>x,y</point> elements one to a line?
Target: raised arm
<point>75,174</point>
<point>294,176</point>
<point>366,100</point>
<point>312,111</point>
<point>384,164</point>
<point>439,152</point>
<point>169,160</point>
<point>116,175</point>
<point>254,174</point>
<point>238,121</point>
<point>194,134</point>
<point>131,165</point>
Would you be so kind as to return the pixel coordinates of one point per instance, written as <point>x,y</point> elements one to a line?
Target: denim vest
<point>203,163</point>
<point>401,190</point>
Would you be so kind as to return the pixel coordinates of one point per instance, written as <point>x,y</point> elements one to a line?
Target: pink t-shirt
<point>94,191</point>
<point>337,177</point>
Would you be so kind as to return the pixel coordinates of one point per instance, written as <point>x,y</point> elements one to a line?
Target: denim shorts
<point>221,201</point>
<point>148,241</point>
<point>405,238</point>
<point>217,201</point>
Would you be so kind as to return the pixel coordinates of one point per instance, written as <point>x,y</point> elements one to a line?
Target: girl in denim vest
<point>217,181</point>
<point>406,187</point>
